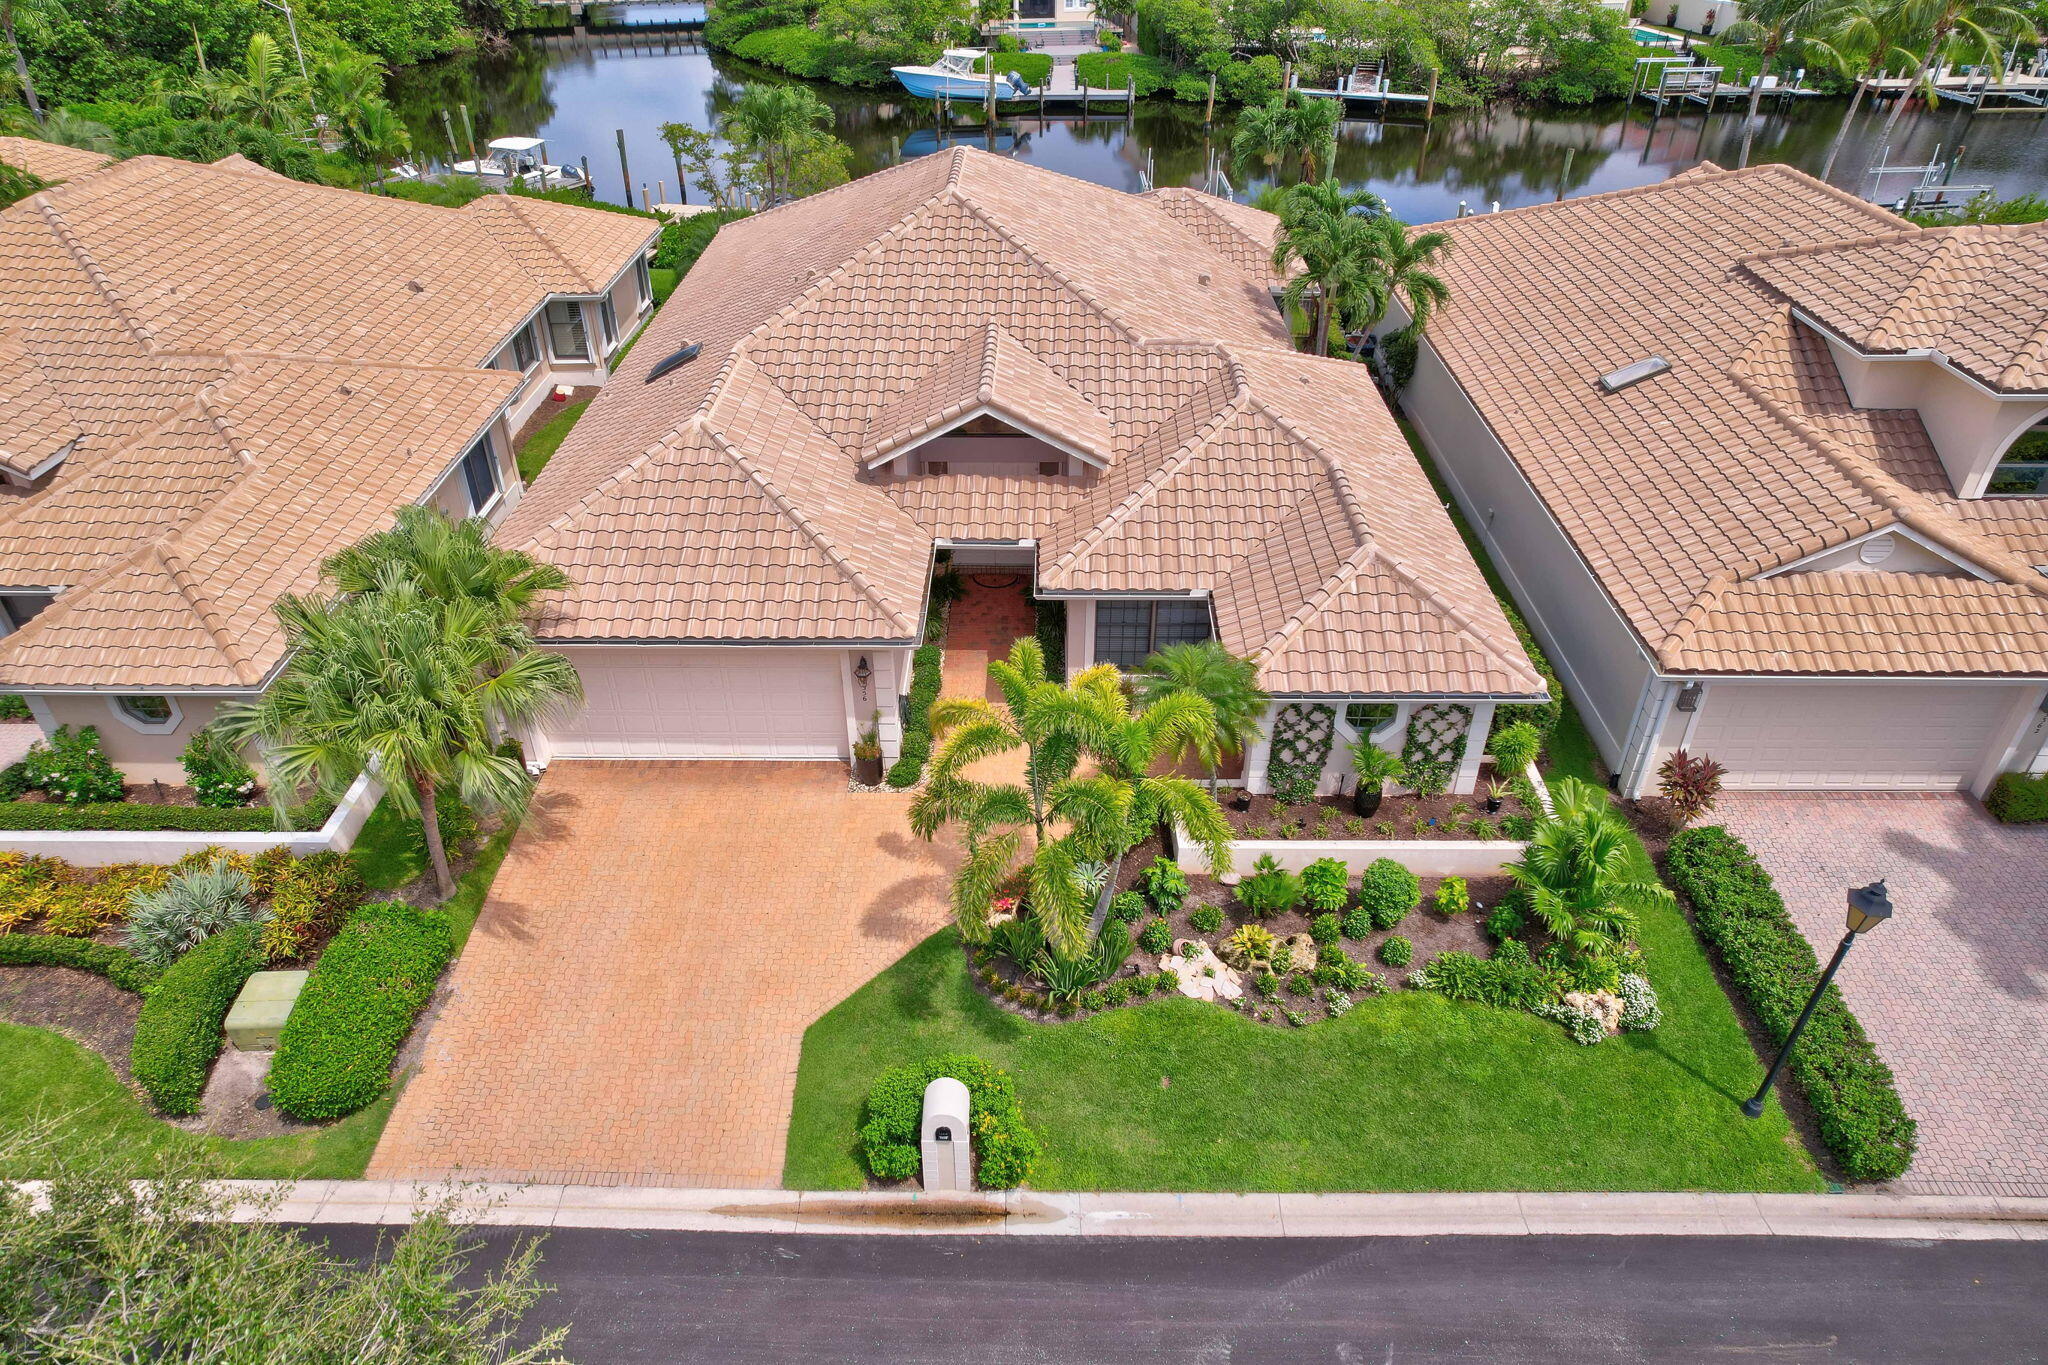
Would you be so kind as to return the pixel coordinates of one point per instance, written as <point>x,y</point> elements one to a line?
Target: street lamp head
<point>1869,907</point>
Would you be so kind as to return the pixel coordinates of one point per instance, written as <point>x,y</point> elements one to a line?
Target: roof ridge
<point>986,393</point>
<point>203,608</point>
<point>695,424</point>
<point>144,334</point>
<point>1079,290</point>
<point>1946,257</point>
<point>1347,496</point>
<point>1312,606</point>
<point>512,204</point>
<point>812,530</point>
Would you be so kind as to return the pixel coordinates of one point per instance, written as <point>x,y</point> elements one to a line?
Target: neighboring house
<point>970,352</point>
<point>211,377</point>
<point>1048,23</point>
<point>1704,17</point>
<point>1801,548</point>
<point>50,161</point>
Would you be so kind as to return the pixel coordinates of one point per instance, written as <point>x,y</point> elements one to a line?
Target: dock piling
<point>625,171</point>
<point>1209,113</point>
<point>1429,109</point>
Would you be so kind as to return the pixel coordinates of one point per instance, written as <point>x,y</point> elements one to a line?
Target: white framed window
<point>608,321</point>
<point>153,715</point>
<point>526,348</point>
<point>566,338</point>
<point>480,474</point>
<point>646,283</point>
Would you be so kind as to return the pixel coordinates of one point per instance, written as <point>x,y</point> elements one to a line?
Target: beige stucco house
<point>211,377</point>
<point>1752,489</point>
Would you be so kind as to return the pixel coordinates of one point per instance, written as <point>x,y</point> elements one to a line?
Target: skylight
<point>670,362</point>
<point>1614,381</point>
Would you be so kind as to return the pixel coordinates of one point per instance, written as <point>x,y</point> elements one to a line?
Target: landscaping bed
<point>1401,817</point>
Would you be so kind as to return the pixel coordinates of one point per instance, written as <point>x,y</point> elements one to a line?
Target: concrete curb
<point>1033,1213</point>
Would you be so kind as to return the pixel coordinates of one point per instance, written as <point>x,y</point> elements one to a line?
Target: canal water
<point>580,91</point>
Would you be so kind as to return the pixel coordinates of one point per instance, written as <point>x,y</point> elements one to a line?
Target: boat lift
<point>1936,191</point>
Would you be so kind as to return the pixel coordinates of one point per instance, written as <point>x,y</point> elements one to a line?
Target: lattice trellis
<point>1435,744</point>
<point>1302,734</point>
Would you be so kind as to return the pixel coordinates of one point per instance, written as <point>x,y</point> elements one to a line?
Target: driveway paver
<point>631,1006</point>
<point>1954,990</point>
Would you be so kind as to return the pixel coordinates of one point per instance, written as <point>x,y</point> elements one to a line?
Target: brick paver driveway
<point>1955,989</point>
<point>632,1003</point>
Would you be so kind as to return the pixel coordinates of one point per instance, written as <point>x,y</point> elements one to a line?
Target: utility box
<point>948,1150</point>
<point>259,1012</point>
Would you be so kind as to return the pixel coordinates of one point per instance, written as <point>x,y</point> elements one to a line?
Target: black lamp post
<point>1869,907</point>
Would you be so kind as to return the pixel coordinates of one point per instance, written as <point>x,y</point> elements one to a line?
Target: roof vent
<point>416,286</point>
<point>1877,549</point>
<point>673,362</point>
<point>1614,381</point>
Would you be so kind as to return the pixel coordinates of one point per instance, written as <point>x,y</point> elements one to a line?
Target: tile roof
<point>249,373</point>
<point>1747,455</point>
<point>50,161</point>
<point>726,500</point>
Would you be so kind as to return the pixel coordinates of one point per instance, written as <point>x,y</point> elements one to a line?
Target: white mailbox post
<point>948,1153</point>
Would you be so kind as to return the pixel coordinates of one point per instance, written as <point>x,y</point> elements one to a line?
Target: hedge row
<point>2018,799</point>
<point>1862,1120</point>
<point>357,1007</point>
<point>140,816</point>
<point>117,965</point>
<point>1124,70</point>
<point>178,1033</point>
<point>1004,1149</point>
<point>917,728</point>
<point>1034,67</point>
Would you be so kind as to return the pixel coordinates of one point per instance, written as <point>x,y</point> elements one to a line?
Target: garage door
<point>1899,736</point>
<point>706,703</point>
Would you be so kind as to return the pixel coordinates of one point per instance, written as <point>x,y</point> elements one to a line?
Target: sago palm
<point>1228,683</point>
<point>413,690</point>
<point>1585,881</point>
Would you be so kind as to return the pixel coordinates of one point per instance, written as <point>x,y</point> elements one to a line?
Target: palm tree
<point>448,561</point>
<point>1585,881</point>
<point>264,91</point>
<point>775,120</point>
<point>1959,29</point>
<point>409,688</point>
<point>1326,233</point>
<point>8,9</point>
<point>1033,717</point>
<point>71,130</point>
<point>1404,260</point>
<point>374,137</point>
<point>1228,683</point>
<point>344,83</point>
<point>1770,24</point>
<point>1288,127</point>
<point>1865,31</point>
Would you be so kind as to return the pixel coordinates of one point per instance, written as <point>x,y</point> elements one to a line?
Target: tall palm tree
<point>1327,248</point>
<point>1961,30</point>
<point>775,120</point>
<point>449,561</point>
<point>1228,683</point>
<point>1769,25</point>
<point>8,10</point>
<point>1862,39</point>
<point>1289,127</point>
<point>412,689</point>
<point>1033,717</point>
<point>1404,259</point>
<point>374,137</point>
<point>1582,874</point>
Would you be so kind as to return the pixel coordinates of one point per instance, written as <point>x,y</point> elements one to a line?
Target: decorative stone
<point>1202,975</point>
<point>259,1012</point>
<point>1297,953</point>
<point>1602,1005</point>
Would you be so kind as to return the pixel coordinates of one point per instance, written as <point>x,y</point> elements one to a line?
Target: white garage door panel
<point>708,703</point>
<point>1899,736</point>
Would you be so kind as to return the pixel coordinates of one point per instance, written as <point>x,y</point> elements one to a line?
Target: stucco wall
<point>150,756</point>
<point>1970,428</point>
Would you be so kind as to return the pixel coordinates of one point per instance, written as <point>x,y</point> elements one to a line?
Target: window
<point>1370,717</point>
<point>147,713</point>
<point>525,349</point>
<point>480,472</point>
<point>566,338</point>
<point>22,607</point>
<point>646,282</point>
<point>608,319</point>
<point>1126,633</point>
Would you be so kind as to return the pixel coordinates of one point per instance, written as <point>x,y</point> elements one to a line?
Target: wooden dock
<point>1703,86</point>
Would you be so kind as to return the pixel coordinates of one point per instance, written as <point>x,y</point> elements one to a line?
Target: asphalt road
<point>718,1297</point>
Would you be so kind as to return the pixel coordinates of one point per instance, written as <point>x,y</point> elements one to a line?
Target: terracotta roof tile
<point>50,161</point>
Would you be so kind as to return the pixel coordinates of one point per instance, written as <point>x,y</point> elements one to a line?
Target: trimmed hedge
<point>917,727</point>
<point>139,816</point>
<point>2018,799</point>
<point>117,965</point>
<point>1034,67</point>
<point>1121,70</point>
<point>177,1035</point>
<point>1862,1120</point>
<point>356,1009</point>
<point>1004,1149</point>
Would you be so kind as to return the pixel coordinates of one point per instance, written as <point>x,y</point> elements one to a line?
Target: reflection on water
<point>579,92</point>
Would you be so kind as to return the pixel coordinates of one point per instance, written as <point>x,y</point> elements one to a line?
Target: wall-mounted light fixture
<point>861,673</point>
<point>1689,697</point>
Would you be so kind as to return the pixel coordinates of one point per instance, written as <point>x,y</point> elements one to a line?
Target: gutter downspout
<point>1642,745</point>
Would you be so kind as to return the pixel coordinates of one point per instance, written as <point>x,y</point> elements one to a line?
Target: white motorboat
<point>953,76</point>
<point>523,160</point>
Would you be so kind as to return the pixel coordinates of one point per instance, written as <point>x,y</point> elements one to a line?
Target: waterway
<point>581,92</point>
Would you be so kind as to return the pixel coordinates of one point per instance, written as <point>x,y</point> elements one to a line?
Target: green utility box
<point>260,1010</point>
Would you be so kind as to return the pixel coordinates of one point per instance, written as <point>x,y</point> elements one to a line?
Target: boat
<point>953,76</point>
<point>521,159</point>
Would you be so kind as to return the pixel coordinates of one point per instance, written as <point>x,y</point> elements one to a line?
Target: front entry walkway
<point>1954,990</point>
<point>630,1008</point>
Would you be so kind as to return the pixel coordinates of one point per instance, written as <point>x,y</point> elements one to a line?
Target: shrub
<point>117,965</point>
<point>1207,919</point>
<point>1506,921</point>
<point>1165,885</point>
<point>125,815</point>
<point>357,1007</point>
<point>1689,784</point>
<point>1387,891</point>
<point>1034,67</point>
<point>1249,82</point>
<point>1399,352</point>
<point>925,662</point>
<point>1585,1028</point>
<point>2018,799</point>
<point>70,767</point>
<point>177,1034</point>
<point>796,48</point>
<point>1357,922</point>
<point>216,773</point>
<point>1156,938</point>
<point>1452,898</point>
<point>1511,981</point>
<point>1325,929</point>
<point>1004,1149</point>
<point>14,707</point>
<point>1397,952</point>
<point>1127,907</point>
<point>1515,747</point>
<point>1065,978</point>
<point>1117,70</point>
<point>1301,983</point>
<point>1270,890</point>
<point>1640,1011</point>
<point>1861,1118</point>
<point>168,921</point>
<point>1326,884</point>
<point>1249,945</point>
<point>310,894</point>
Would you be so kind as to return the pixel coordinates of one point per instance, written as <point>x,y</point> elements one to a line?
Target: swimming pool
<point>1653,37</point>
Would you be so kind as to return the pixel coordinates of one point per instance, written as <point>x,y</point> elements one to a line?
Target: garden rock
<point>1602,1005</point>
<point>1201,974</point>
<point>1297,953</point>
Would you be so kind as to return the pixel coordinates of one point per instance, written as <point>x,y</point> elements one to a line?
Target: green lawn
<point>541,446</point>
<point>53,1080</point>
<point>390,853</point>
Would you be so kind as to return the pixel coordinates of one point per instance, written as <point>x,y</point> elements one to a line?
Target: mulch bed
<point>89,1010</point>
<point>1399,817</point>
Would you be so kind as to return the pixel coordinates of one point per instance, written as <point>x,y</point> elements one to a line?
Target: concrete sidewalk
<point>1032,1213</point>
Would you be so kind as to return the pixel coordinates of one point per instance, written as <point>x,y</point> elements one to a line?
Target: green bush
<point>1862,1119</point>
<point>1397,952</point>
<point>1514,747</point>
<point>1207,919</point>
<point>1034,67</point>
<point>167,922</point>
<point>216,773</point>
<point>1166,885</point>
<point>14,707</point>
<point>797,48</point>
<point>117,965</point>
<point>2018,799</point>
<point>1509,980</point>
<point>1156,939</point>
<point>1050,625</point>
<point>1004,1149</point>
<point>917,722</point>
<point>1325,929</point>
<point>1117,70</point>
<point>356,1009</point>
<point>1453,898</point>
<point>71,767</point>
<point>1387,891</point>
<point>1506,921</point>
<point>1271,889</point>
<point>1127,907</point>
<point>1326,884</point>
<point>123,815</point>
<point>177,1034</point>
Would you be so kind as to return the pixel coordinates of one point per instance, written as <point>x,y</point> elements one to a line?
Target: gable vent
<point>1614,381</point>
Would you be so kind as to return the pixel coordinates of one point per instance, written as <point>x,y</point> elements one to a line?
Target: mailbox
<point>948,1150</point>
